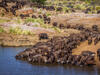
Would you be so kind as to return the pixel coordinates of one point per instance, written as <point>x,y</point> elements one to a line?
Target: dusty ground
<point>77,19</point>
<point>85,47</point>
<point>87,20</point>
<point>16,40</point>
<point>7,39</point>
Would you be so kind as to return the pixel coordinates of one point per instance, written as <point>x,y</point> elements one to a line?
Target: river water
<point>10,66</point>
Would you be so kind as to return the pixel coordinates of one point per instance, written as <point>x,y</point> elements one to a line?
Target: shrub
<point>39,1</point>
<point>1,30</point>
<point>80,6</point>
<point>29,20</point>
<point>56,29</point>
<point>27,32</point>
<point>3,21</point>
<point>97,7</point>
<point>34,20</point>
<point>48,14</point>
<point>19,31</point>
<point>16,30</point>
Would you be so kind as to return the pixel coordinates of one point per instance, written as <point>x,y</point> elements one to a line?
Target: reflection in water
<point>10,66</point>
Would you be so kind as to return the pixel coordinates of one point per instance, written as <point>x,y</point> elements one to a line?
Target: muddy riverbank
<point>10,66</point>
<point>17,40</point>
<point>64,49</point>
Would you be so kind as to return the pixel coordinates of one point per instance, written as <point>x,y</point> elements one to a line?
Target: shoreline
<point>12,40</point>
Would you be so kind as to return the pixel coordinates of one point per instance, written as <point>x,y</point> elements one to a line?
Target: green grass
<point>56,29</point>
<point>80,6</point>
<point>2,14</point>
<point>42,25</point>
<point>3,21</point>
<point>48,14</point>
<point>19,21</point>
<point>1,30</point>
<point>34,20</point>
<point>29,20</point>
<point>19,31</point>
<point>97,8</point>
<point>65,8</point>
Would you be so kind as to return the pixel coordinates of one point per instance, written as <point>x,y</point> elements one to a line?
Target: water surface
<point>10,66</point>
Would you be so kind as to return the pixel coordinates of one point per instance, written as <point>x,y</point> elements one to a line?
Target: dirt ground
<point>16,40</point>
<point>7,39</point>
<point>77,19</point>
<point>85,47</point>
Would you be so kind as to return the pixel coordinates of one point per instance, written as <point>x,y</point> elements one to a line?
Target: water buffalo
<point>43,36</point>
<point>95,28</point>
<point>55,23</point>
<point>88,53</point>
<point>98,53</point>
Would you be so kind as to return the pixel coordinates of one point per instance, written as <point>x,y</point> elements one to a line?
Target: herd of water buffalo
<point>59,48</point>
<point>20,3</point>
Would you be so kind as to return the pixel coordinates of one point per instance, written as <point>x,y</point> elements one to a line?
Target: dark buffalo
<point>43,36</point>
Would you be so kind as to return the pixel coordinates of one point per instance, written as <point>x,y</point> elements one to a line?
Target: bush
<point>3,21</point>
<point>16,30</point>
<point>97,7</point>
<point>80,6</point>
<point>29,20</point>
<point>38,20</point>
<point>19,31</point>
<point>39,1</point>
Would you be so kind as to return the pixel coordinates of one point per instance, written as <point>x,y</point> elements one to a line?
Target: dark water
<point>10,66</point>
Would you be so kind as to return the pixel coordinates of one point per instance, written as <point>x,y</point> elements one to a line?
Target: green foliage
<point>80,6</point>
<point>16,30</point>
<point>97,7</point>
<point>65,8</point>
<point>3,21</point>
<point>2,14</point>
<point>27,32</point>
<point>19,31</point>
<point>38,20</point>
<point>1,30</point>
<point>48,14</point>
<point>56,29</point>
<point>39,1</point>
<point>29,20</point>
<point>19,21</point>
